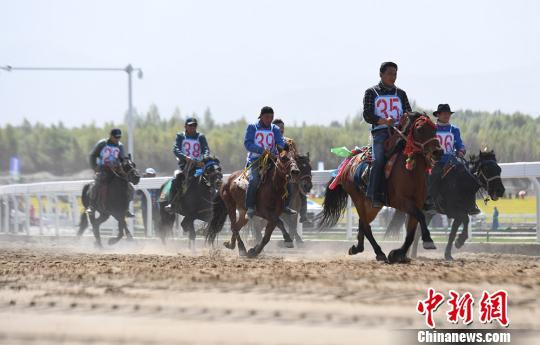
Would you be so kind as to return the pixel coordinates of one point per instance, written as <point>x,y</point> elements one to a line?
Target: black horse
<point>115,203</point>
<point>487,176</point>
<point>195,203</point>
<point>299,188</point>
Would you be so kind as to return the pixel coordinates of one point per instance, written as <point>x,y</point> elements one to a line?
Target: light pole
<point>129,69</point>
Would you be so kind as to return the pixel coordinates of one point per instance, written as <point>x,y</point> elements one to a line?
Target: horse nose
<point>295,171</point>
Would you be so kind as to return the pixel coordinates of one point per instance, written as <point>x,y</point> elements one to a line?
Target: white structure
<point>21,194</point>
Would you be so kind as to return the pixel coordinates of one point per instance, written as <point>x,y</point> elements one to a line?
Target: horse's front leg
<point>288,240</point>
<point>187,226</point>
<point>465,233</point>
<point>96,222</point>
<point>451,237</point>
<point>121,225</point>
<point>270,226</point>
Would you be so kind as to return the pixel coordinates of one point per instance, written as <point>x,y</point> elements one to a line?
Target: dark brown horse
<point>270,202</point>
<point>406,188</point>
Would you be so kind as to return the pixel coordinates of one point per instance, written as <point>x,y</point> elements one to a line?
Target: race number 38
<point>264,139</point>
<point>447,141</point>
<point>192,149</point>
<point>388,107</point>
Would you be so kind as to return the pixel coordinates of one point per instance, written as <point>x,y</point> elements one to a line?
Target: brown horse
<point>270,202</point>
<point>406,188</point>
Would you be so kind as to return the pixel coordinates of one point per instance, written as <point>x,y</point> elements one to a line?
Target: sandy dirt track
<point>66,294</point>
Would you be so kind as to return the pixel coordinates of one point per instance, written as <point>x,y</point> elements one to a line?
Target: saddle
<point>242,181</point>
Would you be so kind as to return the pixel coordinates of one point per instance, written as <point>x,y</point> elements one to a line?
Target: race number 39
<point>447,141</point>
<point>389,106</point>
<point>264,139</point>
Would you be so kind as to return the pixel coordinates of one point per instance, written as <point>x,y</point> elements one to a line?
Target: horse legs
<point>400,255</point>
<point>288,240</point>
<point>426,236</point>
<point>187,226</point>
<point>270,226</point>
<point>414,247</point>
<point>95,227</point>
<point>121,226</point>
<point>358,248</point>
<point>465,233</point>
<point>451,237</point>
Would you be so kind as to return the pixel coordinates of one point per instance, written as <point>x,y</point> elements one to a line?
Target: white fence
<point>16,207</point>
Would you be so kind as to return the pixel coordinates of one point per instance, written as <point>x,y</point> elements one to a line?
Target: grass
<point>509,206</point>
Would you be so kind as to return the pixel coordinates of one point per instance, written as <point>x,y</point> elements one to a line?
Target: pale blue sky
<point>310,60</point>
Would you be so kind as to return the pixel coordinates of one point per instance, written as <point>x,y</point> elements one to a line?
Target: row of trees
<point>64,151</point>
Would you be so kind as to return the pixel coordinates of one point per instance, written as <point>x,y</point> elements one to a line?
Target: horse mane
<point>487,156</point>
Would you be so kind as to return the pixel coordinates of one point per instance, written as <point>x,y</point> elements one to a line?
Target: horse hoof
<point>355,250</point>
<point>448,257</point>
<point>227,245</point>
<point>429,245</point>
<point>243,253</point>
<point>460,242</point>
<point>381,257</point>
<point>398,256</point>
<point>113,241</point>
<point>289,244</point>
<point>98,245</point>
<point>251,253</point>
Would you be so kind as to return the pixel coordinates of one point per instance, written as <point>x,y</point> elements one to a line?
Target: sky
<point>310,60</point>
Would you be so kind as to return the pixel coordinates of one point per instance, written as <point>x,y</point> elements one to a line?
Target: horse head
<point>421,136</point>
<point>304,178</point>
<point>129,168</point>
<point>488,171</point>
<point>286,165</point>
<point>212,172</point>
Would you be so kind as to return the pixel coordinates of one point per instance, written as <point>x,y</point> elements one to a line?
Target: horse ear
<point>307,155</point>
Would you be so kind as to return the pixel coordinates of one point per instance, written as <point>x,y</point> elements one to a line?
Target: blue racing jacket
<point>258,138</point>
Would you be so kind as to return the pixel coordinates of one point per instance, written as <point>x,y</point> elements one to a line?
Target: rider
<point>259,137</point>
<point>190,149</point>
<point>293,148</point>
<point>450,139</point>
<point>105,156</point>
<point>384,105</point>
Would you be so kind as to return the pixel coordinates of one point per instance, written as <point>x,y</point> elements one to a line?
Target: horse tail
<point>335,201</point>
<point>219,215</point>
<point>83,224</point>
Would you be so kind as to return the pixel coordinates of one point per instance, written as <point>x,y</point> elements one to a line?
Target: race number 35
<point>388,106</point>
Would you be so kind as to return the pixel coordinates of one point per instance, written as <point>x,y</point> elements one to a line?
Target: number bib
<point>388,106</point>
<point>109,155</point>
<point>265,139</point>
<point>192,148</point>
<point>446,139</point>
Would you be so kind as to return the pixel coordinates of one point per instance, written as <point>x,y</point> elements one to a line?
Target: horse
<point>270,201</point>
<point>115,202</point>
<point>195,203</point>
<point>299,187</point>
<point>487,176</point>
<point>406,188</point>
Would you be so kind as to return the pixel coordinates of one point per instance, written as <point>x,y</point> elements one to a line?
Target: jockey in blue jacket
<point>190,149</point>
<point>259,137</point>
<point>449,137</point>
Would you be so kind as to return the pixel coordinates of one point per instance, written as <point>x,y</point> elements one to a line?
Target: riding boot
<point>287,209</point>
<point>251,193</point>
<point>176,191</point>
<point>130,192</point>
<point>93,196</point>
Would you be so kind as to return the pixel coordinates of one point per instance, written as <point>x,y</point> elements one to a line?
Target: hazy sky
<point>310,60</point>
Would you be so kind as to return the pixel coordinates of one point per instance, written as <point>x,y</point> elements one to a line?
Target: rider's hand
<point>461,154</point>
<point>389,121</point>
<point>200,164</point>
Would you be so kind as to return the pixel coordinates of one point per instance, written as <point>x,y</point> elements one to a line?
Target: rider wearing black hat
<point>106,155</point>
<point>190,149</point>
